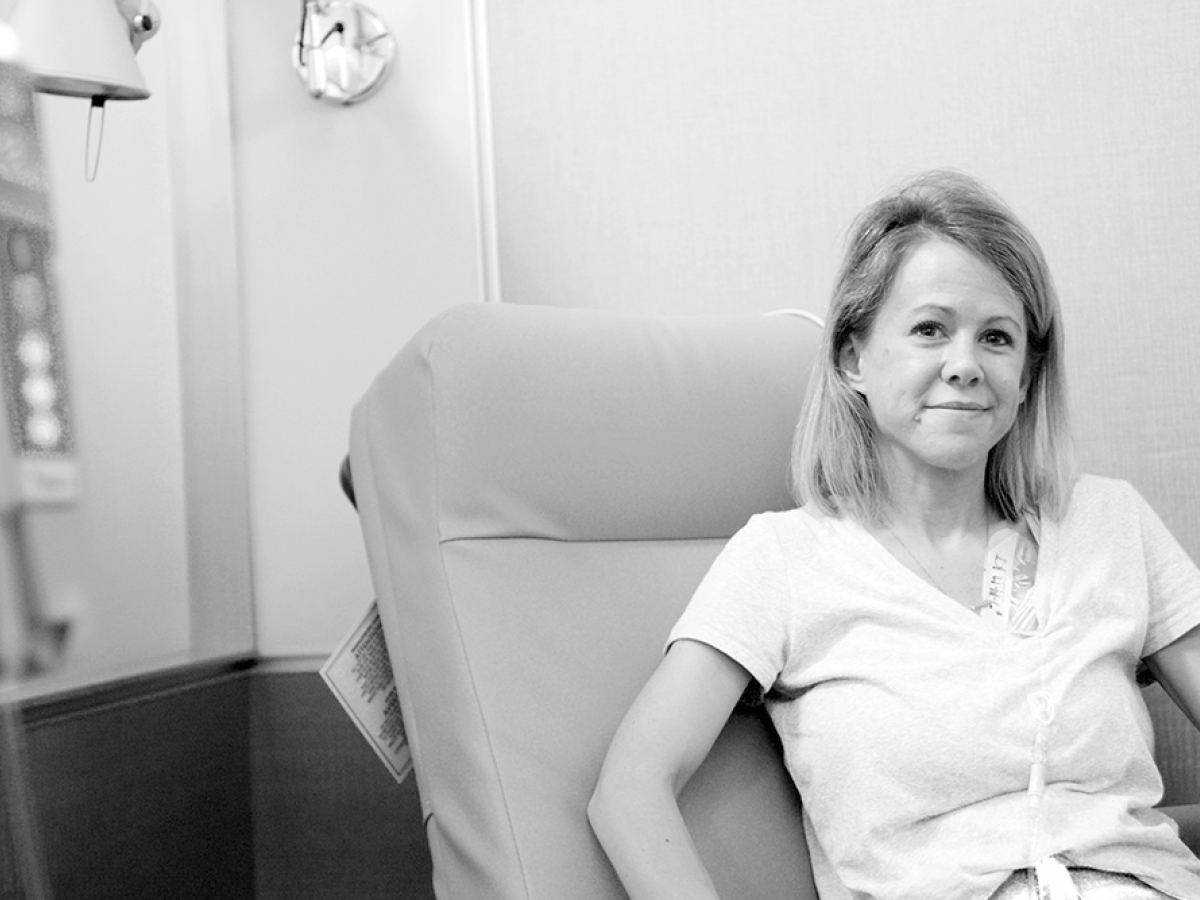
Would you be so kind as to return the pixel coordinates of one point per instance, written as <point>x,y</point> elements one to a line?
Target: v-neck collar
<point>1044,534</point>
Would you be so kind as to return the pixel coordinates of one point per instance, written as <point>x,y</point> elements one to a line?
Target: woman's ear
<point>1026,381</point>
<point>850,363</point>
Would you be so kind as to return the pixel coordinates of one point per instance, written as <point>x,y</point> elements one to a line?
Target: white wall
<point>357,225</point>
<point>649,156</point>
<point>116,564</point>
<point>675,158</point>
<point>151,566</point>
<point>353,227</point>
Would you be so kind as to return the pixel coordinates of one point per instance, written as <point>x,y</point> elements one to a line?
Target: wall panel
<point>143,790</point>
<point>214,781</point>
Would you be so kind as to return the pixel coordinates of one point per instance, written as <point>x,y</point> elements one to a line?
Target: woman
<point>946,630</point>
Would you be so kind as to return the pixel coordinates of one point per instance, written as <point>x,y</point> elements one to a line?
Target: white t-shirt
<point>906,722</point>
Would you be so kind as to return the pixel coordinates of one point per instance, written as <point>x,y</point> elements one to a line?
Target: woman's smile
<point>959,410</point>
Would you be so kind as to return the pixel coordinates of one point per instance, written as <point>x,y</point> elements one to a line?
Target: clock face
<point>343,52</point>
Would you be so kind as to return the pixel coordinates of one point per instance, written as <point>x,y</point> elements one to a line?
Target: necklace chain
<point>937,584</point>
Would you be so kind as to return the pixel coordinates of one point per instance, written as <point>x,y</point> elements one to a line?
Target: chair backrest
<point>540,491</point>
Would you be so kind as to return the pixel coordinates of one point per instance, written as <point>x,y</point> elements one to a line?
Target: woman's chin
<point>953,458</point>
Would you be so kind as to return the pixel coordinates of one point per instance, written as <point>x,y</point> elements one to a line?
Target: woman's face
<point>943,367</point>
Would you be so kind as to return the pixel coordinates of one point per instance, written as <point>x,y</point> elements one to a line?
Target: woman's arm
<point>660,743</point>
<point>1177,668</point>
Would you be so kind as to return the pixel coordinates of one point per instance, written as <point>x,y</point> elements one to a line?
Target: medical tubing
<point>1042,711</point>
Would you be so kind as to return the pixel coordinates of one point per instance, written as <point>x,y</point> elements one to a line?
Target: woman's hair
<point>835,458</point>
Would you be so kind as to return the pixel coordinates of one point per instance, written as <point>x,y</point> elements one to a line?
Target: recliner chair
<point>540,492</point>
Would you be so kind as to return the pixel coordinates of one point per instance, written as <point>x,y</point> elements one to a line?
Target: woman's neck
<point>939,528</point>
<point>938,506</point>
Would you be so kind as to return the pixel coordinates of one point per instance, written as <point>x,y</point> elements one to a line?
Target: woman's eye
<point>998,338</point>
<point>927,329</point>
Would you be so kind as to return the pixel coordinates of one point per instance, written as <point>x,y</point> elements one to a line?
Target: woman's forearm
<point>667,733</point>
<point>647,841</point>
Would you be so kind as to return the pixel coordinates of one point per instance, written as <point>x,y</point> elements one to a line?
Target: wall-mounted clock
<point>343,51</point>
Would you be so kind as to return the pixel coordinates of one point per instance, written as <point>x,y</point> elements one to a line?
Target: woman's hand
<point>659,745</point>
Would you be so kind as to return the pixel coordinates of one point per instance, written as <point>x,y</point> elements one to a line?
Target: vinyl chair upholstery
<point>540,492</point>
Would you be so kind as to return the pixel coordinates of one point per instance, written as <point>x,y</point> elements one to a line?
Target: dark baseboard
<point>329,820</point>
<point>216,780</point>
<point>142,787</point>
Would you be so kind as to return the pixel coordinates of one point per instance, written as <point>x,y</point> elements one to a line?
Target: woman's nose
<point>961,364</point>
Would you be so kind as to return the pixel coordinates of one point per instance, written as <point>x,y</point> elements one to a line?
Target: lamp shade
<point>79,48</point>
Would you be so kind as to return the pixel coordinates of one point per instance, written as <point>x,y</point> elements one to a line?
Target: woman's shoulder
<point>1100,490</point>
<point>807,517</point>
<point>797,530</point>
<point>1102,500</point>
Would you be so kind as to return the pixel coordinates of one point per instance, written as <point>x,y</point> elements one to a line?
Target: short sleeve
<point>1172,581</point>
<point>743,606</point>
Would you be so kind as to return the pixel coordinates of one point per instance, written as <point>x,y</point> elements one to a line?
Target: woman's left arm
<point>1177,668</point>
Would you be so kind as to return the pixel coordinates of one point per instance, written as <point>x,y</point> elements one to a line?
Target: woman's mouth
<point>959,406</point>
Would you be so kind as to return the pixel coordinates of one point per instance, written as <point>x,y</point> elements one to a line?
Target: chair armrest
<point>1188,819</point>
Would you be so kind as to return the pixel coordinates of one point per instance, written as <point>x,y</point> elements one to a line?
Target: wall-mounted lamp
<point>85,48</point>
<point>343,51</point>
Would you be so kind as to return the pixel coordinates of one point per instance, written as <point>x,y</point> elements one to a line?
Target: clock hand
<point>338,28</point>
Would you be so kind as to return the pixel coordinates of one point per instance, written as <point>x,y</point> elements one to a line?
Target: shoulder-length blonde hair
<point>835,462</point>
